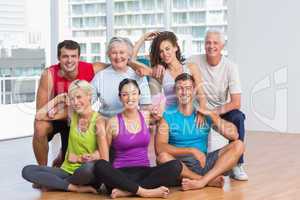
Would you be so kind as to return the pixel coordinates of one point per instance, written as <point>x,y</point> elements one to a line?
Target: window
<point>197,4</point>
<point>77,22</point>
<point>83,58</point>
<point>133,6</point>
<point>82,48</point>
<point>215,17</point>
<point>77,9</point>
<point>180,4</point>
<point>91,9</point>
<point>133,20</point>
<point>120,7</point>
<point>180,18</point>
<point>197,17</point>
<point>89,22</point>
<point>96,59</point>
<point>95,48</point>
<point>147,5</point>
<point>120,20</point>
<point>215,4</point>
<point>198,32</point>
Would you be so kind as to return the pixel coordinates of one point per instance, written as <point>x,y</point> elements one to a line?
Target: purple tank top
<point>131,149</point>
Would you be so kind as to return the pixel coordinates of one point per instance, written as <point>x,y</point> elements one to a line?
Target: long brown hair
<point>154,48</point>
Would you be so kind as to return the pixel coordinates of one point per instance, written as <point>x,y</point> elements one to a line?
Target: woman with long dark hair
<point>165,54</point>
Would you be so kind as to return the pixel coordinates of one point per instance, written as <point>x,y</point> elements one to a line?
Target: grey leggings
<point>58,179</point>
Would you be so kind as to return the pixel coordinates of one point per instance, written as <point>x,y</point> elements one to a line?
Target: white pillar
<point>54,29</point>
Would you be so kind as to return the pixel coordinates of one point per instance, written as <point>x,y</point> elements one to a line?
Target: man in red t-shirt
<point>55,80</point>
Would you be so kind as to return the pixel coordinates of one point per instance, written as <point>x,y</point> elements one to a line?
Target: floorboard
<point>272,163</point>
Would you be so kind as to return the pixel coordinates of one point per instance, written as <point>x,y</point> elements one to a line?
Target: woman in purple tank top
<point>128,134</point>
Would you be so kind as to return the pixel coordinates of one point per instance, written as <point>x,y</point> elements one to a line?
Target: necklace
<point>83,124</point>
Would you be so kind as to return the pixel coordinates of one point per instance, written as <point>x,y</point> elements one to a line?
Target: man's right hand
<point>200,156</point>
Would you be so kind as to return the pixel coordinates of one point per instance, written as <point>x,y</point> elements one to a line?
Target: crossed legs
<point>228,157</point>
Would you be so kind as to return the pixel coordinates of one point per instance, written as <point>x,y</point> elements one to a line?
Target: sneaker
<point>239,173</point>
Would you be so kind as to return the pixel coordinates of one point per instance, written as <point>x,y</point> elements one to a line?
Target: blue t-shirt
<point>183,131</point>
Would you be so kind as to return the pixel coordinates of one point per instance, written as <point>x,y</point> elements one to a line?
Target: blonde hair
<point>81,84</point>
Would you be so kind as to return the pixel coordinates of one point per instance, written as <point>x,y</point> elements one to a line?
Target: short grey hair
<point>218,32</point>
<point>114,40</point>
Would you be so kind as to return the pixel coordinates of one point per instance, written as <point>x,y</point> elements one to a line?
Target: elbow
<point>237,105</point>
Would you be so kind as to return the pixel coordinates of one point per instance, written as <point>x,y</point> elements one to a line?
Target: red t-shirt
<point>61,84</point>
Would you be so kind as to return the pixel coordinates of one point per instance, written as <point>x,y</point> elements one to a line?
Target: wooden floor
<point>273,165</point>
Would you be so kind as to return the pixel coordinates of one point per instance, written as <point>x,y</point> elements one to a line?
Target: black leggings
<point>130,178</point>
<point>58,179</point>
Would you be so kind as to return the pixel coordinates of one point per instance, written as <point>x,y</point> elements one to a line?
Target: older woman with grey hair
<point>106,82</point>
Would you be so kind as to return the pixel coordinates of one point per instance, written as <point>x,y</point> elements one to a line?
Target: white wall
<point>264,40</point>
<point>16,120</point>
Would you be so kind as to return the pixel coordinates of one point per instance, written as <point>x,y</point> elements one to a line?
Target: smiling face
<point>213,45</point>
<point>167,51</point>
<point>129,96</point>
<point>80,100</point>
<point>184,91</point>
<point>119,55</point>
<point>69,59</point>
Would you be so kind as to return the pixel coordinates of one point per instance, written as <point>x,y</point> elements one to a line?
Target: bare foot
<point>83,189</point>
<point>160,192</point>
<point>87,189</point>
<point>189,184</point>
<point>217,182</point>
<point>44,189</point>
<point>36,186</point>
<point>115,193</point>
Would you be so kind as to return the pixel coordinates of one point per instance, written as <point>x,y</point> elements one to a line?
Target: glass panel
<point>96,59</point>
<point>120,7</point>
<point>133,6</point>
<point>197,3</point>
<point>180,18</point>
<point>95,48</point>
<point>148,5</point>
<point>198,32</point>
<point>77,9</point>
<point>197,17</point>
<point>180,4</point>
<point>82,48</point>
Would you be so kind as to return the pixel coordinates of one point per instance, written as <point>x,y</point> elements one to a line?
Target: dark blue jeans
<point>237,118</point>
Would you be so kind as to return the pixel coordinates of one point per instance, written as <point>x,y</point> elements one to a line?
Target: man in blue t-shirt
<point>178,137</point>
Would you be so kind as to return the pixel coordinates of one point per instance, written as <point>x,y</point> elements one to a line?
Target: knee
<point>87,170</point>
<point>100,166</point>
<point>41,129</point>
<point>239,147</point>
<point>176,166</point>
<point>164,157</point>
<point>27,171</point>
<point>238,116</point>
